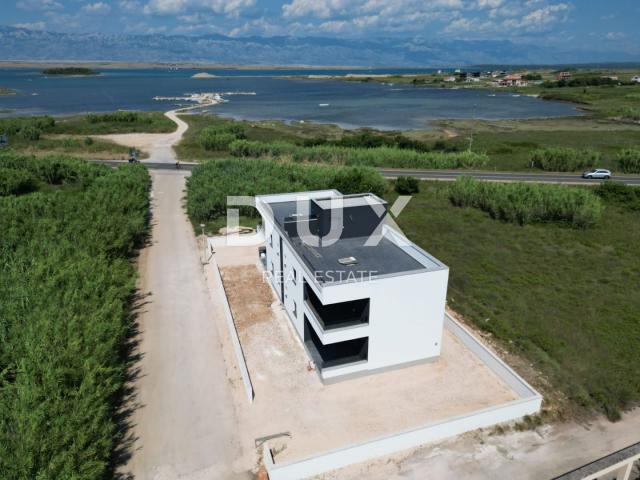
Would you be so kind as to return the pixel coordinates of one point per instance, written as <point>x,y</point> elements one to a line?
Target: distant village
<point>502,78</point>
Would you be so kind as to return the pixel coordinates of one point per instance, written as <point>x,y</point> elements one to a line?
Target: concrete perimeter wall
<point>528,403</point>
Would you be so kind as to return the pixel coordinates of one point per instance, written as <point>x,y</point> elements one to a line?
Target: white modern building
<point>360,295</point>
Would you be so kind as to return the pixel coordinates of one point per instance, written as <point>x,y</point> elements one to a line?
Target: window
<point>295,309</point>
<point>294,276</point>
<point>271,241</point>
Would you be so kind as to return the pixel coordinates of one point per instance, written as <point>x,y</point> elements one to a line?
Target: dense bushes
<point>27,128</point>
<point>407,185</point>
<point>524,203</point>
<point>117,117</point>
<point>53,170</point>
<point>374,157</point>
<point>561,159</point>
<point>210,183</point>
<point>65,283</point>
<point>629,160</point>
<point>626,196</point>
<point>582,82</point>
<point>16,182</point>
<point>219,137</point>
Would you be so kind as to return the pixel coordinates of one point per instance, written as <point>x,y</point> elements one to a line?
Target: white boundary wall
<point>233,333</point>
<point>528,403</point>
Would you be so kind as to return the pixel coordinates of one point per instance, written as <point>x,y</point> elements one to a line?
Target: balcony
<point>338,354</point>
<point>337,315</point>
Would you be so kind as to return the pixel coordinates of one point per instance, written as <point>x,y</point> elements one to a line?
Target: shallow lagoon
<point>349,104</point>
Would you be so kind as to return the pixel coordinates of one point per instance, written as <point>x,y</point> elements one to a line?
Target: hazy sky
<point>578,23</point>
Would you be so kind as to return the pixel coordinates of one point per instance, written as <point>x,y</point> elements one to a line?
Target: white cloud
<point>227,7</point>
<point>541,18</point>
<point>335,26</point>
<point>615,36</point>
<point>31,26</point>
<point>130,5</point>
<point>39,5</point>
<point>492,4</point>
<point>99,8</point>
<point>357,8</point>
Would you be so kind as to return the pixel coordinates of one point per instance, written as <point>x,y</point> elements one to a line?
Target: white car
<point>597,173</point>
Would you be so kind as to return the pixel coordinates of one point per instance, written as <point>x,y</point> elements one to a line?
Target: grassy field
<point>562,297</point>
<point>509,143</point>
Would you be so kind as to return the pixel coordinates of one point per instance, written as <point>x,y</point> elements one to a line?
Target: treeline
<point>66,280</point>
<point>564,159</point>
<point>210,183</point>
<point>524,203</point>
<point>373,157</point>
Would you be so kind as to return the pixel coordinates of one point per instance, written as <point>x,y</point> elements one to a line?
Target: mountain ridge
<point>19,44</point>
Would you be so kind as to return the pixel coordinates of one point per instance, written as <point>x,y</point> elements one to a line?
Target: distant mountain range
<point>22,44</point>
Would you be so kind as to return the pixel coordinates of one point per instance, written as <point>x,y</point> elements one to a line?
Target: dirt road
<point>185,423</point>
<point>159,146</point>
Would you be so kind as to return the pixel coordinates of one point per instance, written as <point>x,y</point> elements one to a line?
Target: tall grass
<point>65,284</point>
<point>210,183</point>
<point>629,160</point>
<point>524,203</point>
<point>218,137</point>
<point>562,159</point>
<point>374,157</point>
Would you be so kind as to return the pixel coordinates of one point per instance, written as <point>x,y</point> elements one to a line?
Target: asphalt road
<point>447,175</point>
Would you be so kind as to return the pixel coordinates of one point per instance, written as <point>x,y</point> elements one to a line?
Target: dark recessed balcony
<point>334,354</point>
<point>337,315</point>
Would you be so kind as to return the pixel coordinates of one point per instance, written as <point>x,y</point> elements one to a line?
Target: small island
<point>69,71</point>
<point>6,91</point>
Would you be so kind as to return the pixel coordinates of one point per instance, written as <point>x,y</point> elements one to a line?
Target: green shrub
<point>117,117</point>
<point>373,157</point>
<point>30,133</point>
<point>629,160</point>
<point>524,203</point>
<point>66,280</point>
<point>618,193</point>
<point>55,169</point>
<point>210,183</point>
<point>27,128</point>
<point>16,182</point>
<point>561,159</point>
<point>212,140</point>
<point>407,185</point>
<point>88,141</point>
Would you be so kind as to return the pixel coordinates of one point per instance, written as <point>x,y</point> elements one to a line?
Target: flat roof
<point>384,258</point>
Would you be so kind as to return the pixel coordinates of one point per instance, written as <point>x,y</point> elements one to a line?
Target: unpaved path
<point>184,422</point>
<point>159,146</point>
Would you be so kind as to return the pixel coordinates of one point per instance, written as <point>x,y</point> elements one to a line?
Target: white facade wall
<point>406,310</point>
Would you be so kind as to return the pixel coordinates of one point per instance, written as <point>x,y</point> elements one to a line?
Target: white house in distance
<point>360,295</point>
